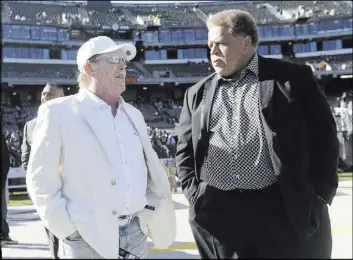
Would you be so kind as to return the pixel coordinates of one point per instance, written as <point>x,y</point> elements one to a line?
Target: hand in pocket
<point>74,236</point>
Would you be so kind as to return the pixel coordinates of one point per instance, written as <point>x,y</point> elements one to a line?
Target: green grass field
<point>21,197</point>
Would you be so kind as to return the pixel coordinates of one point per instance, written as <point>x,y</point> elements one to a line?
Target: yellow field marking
<point>173,248</point>
<point>193,245</point>
<point>341,229</point>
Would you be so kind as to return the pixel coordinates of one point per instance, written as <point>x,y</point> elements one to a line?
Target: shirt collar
<point>99,102</point>
<point>252,66</point>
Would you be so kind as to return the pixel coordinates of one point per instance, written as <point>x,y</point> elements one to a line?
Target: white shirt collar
<point>99,102</point>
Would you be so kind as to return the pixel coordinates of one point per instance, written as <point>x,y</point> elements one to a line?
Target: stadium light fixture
<point>346,76</point>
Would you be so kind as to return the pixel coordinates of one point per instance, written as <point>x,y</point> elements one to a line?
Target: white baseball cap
<point>100,45</point>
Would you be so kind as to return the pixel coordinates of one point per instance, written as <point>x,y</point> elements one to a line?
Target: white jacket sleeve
<point>43,175</point>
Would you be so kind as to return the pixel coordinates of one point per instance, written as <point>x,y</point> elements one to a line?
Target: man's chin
<point>221,72</point>
<point>116,90</point>
<point>121,87</point>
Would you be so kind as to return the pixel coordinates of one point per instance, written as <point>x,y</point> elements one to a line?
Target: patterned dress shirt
<point>238,155</point>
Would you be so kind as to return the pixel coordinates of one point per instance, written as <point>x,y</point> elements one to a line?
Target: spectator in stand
<point>13,145</point>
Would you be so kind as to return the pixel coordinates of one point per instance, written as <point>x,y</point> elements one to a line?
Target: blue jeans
<point>131,239</point>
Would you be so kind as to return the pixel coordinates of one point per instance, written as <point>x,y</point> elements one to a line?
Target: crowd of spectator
<point>164,139</point>
<point>342,110</point>
<point>13,142</point>
<point>163,142</point>
<point>171,108</point>
<point>329,63</point>
<point>13,120</point>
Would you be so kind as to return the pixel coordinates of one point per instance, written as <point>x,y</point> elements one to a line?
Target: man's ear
<point>247,41</point>
<point>88,68</point>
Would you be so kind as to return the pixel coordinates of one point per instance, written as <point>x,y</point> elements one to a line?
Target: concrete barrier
<point>14,173</point>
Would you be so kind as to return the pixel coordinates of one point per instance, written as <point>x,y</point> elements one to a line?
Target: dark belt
<point>269,188</point>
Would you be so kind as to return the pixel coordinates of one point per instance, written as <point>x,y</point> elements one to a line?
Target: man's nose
<point>214,50</point>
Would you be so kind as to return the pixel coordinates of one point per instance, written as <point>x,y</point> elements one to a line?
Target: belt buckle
<point>126,219</point>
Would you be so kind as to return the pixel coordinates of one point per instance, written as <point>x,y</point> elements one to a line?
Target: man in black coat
<point>5,166</point>
<point>5,161</point>
<point>257,152</point>
<point>49,92</point>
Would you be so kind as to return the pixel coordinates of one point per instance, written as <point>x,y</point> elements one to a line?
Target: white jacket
<point>69,175</point>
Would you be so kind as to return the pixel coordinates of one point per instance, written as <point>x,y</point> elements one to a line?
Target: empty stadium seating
<point>319,8</point>
<point>52,71</point>
<point>48,14</point>
<point>108,16</point>
<point>261,15</point>
<point>39,71</point>
<point>183,70</point>
<point>178,16</point>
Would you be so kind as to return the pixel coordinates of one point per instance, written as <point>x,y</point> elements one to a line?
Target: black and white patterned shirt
<point>238,155</point>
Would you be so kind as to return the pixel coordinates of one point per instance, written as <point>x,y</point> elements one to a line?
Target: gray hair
<point>55,86</point>
<point>239,23</point>
<point>83,78</point>
<point>51,84</point>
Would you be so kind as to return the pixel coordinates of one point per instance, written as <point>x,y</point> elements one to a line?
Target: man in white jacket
<point>93,176</point>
